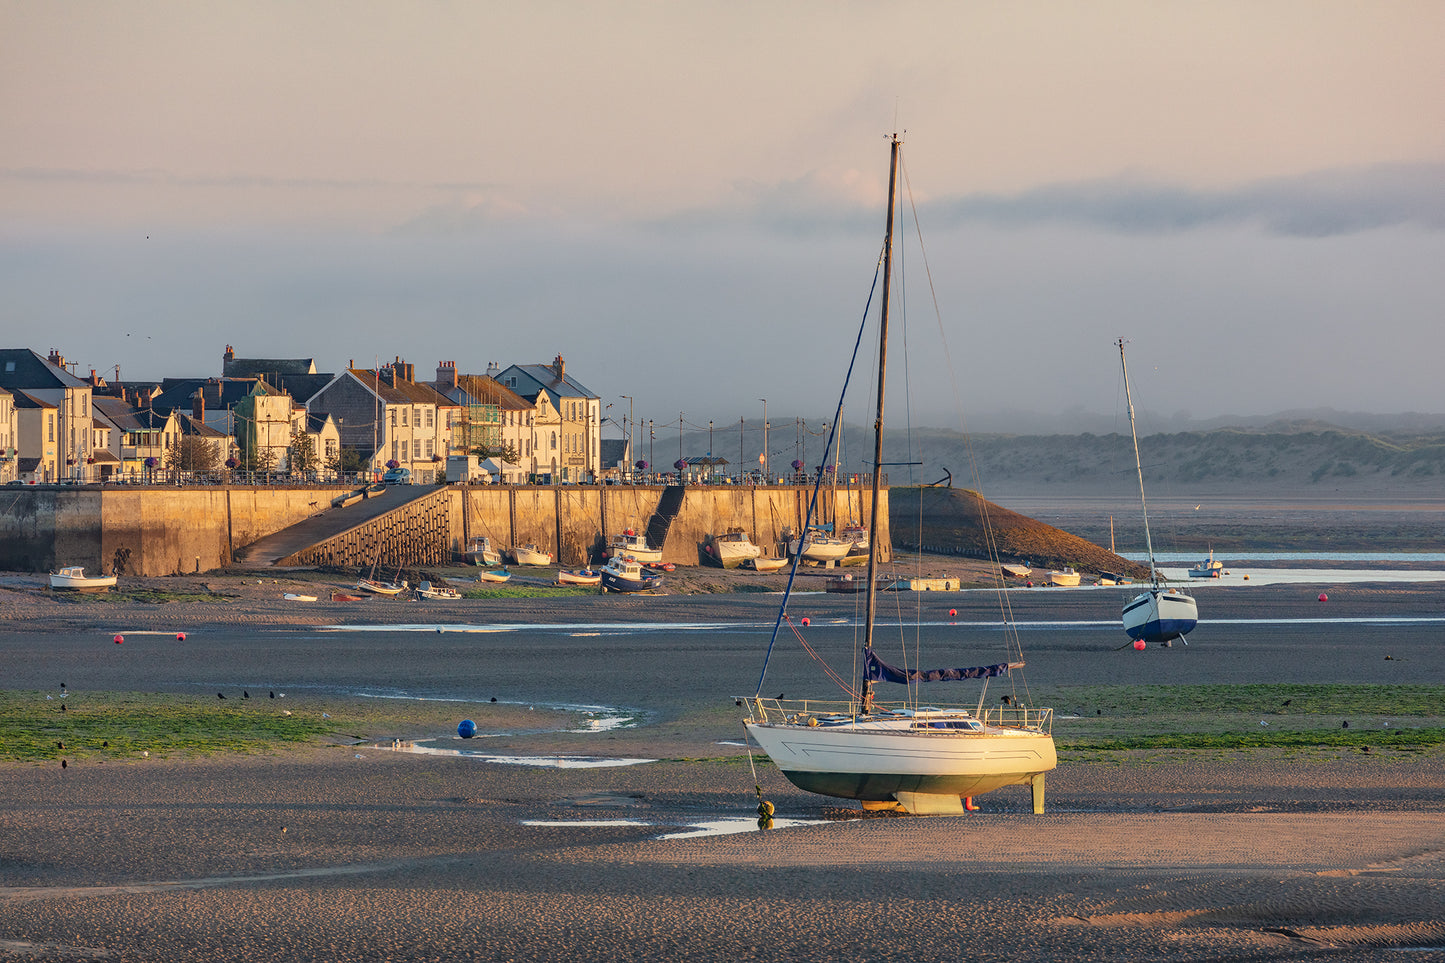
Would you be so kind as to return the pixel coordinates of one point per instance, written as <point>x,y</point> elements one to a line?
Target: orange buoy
<point>180,636</point>
<point>805,620</point>
<point>952,613</point>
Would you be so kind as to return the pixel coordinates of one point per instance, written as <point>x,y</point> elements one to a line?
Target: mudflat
<point>354,848</point>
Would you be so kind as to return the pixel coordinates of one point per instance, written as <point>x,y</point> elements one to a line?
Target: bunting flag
<point>877,670</point>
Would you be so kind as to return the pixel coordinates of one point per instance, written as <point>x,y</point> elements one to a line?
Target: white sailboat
<point>901,756</point>
<point>1158,614</point>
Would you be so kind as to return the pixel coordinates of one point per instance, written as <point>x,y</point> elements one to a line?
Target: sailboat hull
<point>1160,615</point>
<point>856,762</point>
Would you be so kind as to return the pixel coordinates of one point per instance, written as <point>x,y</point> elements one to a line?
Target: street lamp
<point>764,460</point>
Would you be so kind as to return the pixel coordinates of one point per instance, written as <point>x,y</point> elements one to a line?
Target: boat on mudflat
<point>909,755</point>
<point>72,578</point>
<point>479,551</point>
<point>381,588</point>
<point>437,593</point>
<point>583,576</point>
<point>530,554</point>
<point>629,543</point>
<point>1207,568</point>
<point>627,575</point>
<point>1064,576</point>
<point>1158,614</point>
<point>494,575</point>
<point>762,564</point>
<point>732,548</point>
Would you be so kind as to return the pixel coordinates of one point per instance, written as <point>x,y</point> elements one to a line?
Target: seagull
<point>273,695</point>
<point>245,694</point>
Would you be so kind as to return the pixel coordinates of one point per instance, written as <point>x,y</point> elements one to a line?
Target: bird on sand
<point>220,695</point>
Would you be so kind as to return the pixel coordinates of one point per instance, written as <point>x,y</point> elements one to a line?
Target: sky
<point>686,200</point>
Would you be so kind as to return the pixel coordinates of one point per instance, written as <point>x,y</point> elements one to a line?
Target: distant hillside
<point>952,521</point>
<point>1302,458</point>
<point>1298,456</point>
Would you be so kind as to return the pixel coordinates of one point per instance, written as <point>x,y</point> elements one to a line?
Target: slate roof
<point>481,390</point>
<point>23,400</point>
<point>267,367</point>
<point>23,368</point>
<point>545,375</point>
<point>176,393</point>
<point>403,392</point>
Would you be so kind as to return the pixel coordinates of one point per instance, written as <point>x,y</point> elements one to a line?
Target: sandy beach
<point>354,850</point>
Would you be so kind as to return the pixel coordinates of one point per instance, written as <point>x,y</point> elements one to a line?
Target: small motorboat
<point>293,597</point>
<point>845,585</point>
<point>584,576</point>
<point>627,575</point>
<point>818,546</point>
<point>72,578</point>
<point>491,576</point>
<point>629,543</point>
<point>1207,568</point>
<point>347,597</point>
<point>1065,576</point>
<point>733,548</point>
<point>1017,571</point>
<point>437,593</point>
<point>382,587</point>
<point>530,554</point>
<point>761,564</point>
<point>479,551</point>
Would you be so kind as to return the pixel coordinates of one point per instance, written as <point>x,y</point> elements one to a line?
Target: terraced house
<point>385,416</point>
<point>54,416</point>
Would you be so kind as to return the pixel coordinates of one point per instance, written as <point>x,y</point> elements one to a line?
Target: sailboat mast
<point>871,603</point>
<point>1133,432</point>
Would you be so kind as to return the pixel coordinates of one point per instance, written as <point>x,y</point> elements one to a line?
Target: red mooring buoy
<point>180,636</point>
<point>1324,597</point>
<point>952,613</point>
<point>119,639</point>
<point>1139,645</point>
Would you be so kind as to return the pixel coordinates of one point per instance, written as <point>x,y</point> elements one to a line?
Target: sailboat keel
<point>883,787</point>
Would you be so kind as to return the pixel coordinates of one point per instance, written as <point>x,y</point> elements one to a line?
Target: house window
<point>554,441</point>
<point>330,448</point>
<point>403,416</point>
<point>429,416</point>
<point>393,450</point>
<point>429,449</point>
<point>50,425</point>
<point>416,448</point>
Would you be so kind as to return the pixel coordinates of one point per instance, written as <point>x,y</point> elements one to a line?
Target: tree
<point>302,454</point>
<point>348,460</point>
<point>258,458</point>
<point>507,453</point>
<point>191,453</point>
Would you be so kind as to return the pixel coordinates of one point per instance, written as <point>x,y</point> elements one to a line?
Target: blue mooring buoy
<point>467,728</point>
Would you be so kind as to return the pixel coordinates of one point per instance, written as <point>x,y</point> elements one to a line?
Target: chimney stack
<point>447,373</point>
<point>559,366</point>
<point>198,405</point>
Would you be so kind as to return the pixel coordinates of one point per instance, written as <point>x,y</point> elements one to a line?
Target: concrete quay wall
<point>144,531</point>
<point>175,531</point>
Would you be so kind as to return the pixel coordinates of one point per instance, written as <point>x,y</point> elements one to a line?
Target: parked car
<point>397,476</point>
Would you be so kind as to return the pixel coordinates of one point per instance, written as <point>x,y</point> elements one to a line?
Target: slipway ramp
<point>355,511</point>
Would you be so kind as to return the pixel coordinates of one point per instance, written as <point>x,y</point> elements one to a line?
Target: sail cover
<point>877,670</point>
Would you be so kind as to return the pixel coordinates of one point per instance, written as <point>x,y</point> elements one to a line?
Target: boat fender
<point>765,809</point>
<point>812,722</point>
